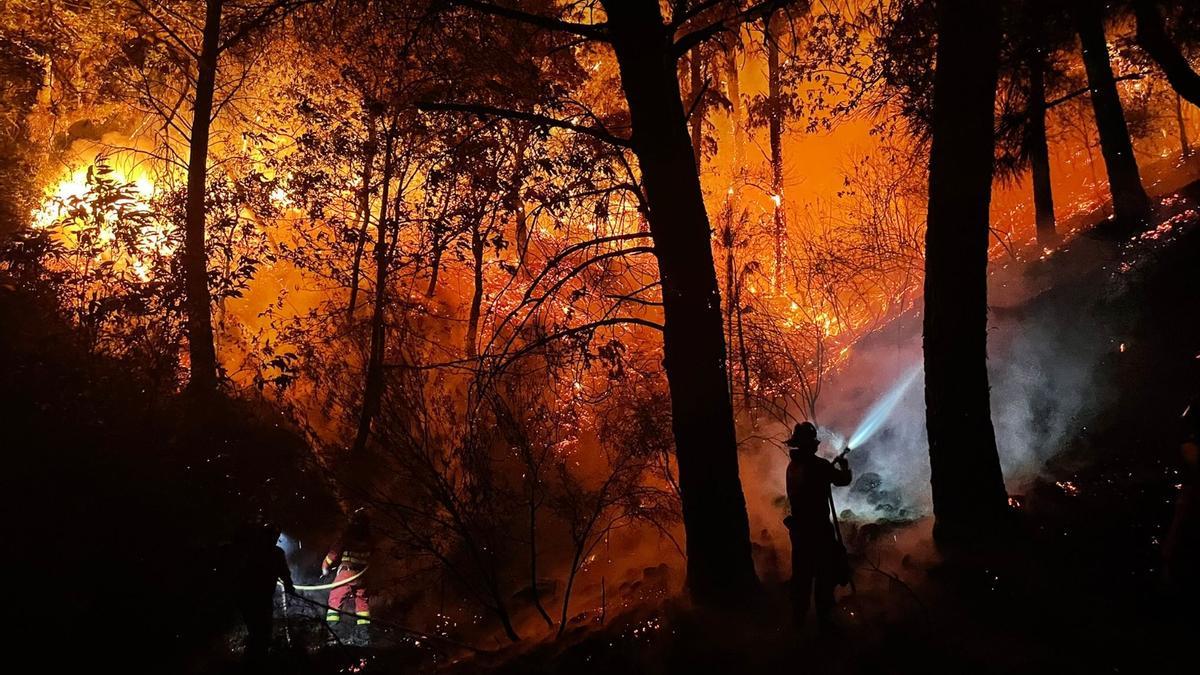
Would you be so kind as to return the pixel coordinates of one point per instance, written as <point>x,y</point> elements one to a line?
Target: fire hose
<point>375,621</point>
<point>329,586</point>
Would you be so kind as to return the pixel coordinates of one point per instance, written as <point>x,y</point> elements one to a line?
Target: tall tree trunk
<point>1152,37</point>
<point>1130,203</point>
<point>696,107</point>
<point>517,203</point>
<point>373,388</point>
<point>968,489</point>
<point>1039,152</point>
<point>364,210</point>
<point>719,566</point>
<point>734,92</point>
<point>775,130</point>
<point>201,351</point>
<point>522,232</point>
<point>1185,147</point>
<point>743,350</point>
<point>728,238</point>
<point>477,248</point>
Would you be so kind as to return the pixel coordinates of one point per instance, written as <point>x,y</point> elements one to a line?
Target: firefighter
<point>817,556</point>
<point>262,565</point>
<point>349,556</point>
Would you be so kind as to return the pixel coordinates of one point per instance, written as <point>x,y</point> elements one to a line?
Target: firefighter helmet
<point>803,435</point>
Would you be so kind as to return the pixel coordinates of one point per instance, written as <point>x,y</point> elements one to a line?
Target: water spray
<point>879,411</point>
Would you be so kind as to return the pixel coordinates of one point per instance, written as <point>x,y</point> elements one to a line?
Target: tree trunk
<point>477,248</point>
<point>968,488</point>
<point>730,278</point>
<point>373,389</point>
<point>566,603</point>
<point>201,351</point>
<point>501,610</point>
<point>743,350</point>
<point>522,235</point>
<point>516,200</point>
<point>1185,147</point>
<point>1130,203</point>
<point>734,92</point>
<point>435,266</point>
<point>719,566</point>
<point>1039,153</point>
<point>775,130</point>
<point>1152,37</point>
<point>696,108</point>
<point>364,209</point>
<point>533,581</point>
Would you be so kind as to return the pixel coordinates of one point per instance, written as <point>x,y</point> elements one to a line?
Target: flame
<point>153,240</point>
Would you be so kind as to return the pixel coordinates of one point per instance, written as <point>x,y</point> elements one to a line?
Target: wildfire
<point>74,185</point>
<point>59,215</point>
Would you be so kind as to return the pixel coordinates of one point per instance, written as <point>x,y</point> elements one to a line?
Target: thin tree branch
<point>535,118</point>
<point>1083,90</point>
<point>169,31</point>
<point>751,13</point>
<point>575,330</point>
<point>592,31</point>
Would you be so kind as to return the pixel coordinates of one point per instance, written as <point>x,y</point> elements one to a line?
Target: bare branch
<point>267,14</point>
<point>179,41</point>
<point>575,330</point>
<point>754,12</point>
<point>591,31</point>
<point>1083,90</point>
<point>535,118</point>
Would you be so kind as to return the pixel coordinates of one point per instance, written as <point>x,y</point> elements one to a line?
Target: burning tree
<point>106,247</point>
<point>198,43</point>
<point>647,47</point>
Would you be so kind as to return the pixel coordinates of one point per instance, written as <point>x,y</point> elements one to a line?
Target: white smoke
<point>1045,352</point>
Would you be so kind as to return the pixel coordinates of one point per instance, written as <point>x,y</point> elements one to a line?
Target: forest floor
<point>121,574</point>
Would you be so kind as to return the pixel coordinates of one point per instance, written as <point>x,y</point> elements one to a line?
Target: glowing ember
<point>1069,488</point>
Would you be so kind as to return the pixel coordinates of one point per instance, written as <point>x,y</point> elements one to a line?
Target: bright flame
<point>152,240</point>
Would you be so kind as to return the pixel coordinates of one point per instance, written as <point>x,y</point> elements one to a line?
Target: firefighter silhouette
<point>261,564</point>
<point>818,558</point>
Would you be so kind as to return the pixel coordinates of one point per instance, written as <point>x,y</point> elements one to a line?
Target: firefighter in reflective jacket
<point>350,556</point>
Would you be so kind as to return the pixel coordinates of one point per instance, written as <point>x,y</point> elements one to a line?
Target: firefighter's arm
<point>331,560</point>
<point>841,472</point>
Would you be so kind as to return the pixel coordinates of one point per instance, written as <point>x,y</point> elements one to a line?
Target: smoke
<point>1047,339</point>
